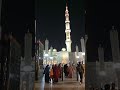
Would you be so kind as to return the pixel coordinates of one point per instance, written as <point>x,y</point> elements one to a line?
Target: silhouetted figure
<point>80,70</point>
<point>60,70</point>
<point>46,72</point>
<point>66,70</point>
<point>113,86</point>
<point>107,87</point>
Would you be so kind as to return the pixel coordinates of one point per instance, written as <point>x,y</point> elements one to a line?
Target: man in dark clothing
<point>46,72</point>
<point>65,70</point>
<point>80,71</point>
<point>107,86</point>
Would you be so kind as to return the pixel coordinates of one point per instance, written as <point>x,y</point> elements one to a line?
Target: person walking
<point>70,70</point>
<point>51,73</point>
<point>46,72</point>
<point>66,70</point>
<point>80,71</point>
<point>55,73</point>
<point>60,70</point>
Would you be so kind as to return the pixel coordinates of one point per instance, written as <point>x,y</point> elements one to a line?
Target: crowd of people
<point>55,72</point>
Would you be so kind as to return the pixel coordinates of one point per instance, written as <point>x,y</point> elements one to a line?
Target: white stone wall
<point>90,75</point>
<point>27,76</point>
<point>108,75</point>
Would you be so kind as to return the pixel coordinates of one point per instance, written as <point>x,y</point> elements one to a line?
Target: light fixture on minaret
<point>67,30</point>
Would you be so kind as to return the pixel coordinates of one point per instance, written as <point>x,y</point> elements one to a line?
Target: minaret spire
<point>66,7</point>
<point>67,30</point>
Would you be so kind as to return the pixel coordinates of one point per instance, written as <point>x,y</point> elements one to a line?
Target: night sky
<point>100,17</point>
<point>19,15</point>
<point>51,21</point>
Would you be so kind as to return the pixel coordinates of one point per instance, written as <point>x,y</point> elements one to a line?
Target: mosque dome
<point>63,49</point>
<point>54,50</point>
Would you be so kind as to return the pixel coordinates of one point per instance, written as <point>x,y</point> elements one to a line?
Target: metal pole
<point>62,73</point>
<point>36,77</point>
<point>77,73</point>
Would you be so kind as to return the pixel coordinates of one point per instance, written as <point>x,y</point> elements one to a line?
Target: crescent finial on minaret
<point>66,6</point>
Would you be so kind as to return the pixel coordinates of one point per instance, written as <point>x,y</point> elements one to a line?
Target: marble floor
<point>70,84</point>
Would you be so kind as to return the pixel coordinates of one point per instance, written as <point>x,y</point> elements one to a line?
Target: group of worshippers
<point>52,73</point>
<point>56,71</point>
<point>69,70</point>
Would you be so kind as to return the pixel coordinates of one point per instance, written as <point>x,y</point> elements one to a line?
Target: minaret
<point>46,46</point>
<point>67,30</point>
<point>82,44</point>
<point>28,48</point>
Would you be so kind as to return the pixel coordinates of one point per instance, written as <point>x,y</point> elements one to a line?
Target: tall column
<point>51,50</point>
<point>1,65</point>
<point>82,44</point>
<point>86,38</point>
<point>27,71</point>
<point>77,50</point>
<point>101,57</point>
<point>115,45</point>
<point>46,50</point>
<point>67,31</point>
<point>0,18</point>
<point>28,48</point>
<point>46,46</point>
<point>51,54</point>
<point>115,52</point>
<point>83,48</point>
<point>77,55</point>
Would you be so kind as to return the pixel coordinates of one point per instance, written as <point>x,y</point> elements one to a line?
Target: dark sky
<point>50,16</point>
<point>100,17</point>
<point>19,15</point>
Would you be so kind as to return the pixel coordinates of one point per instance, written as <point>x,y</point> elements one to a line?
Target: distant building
<point>65,56</point>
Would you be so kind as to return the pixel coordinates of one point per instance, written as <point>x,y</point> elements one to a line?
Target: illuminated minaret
<point>67,30</point>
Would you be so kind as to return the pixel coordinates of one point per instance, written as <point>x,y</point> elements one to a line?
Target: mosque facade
<point>65,56</point>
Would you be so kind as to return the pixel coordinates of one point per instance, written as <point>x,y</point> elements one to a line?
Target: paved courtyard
<point>70,84</point>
